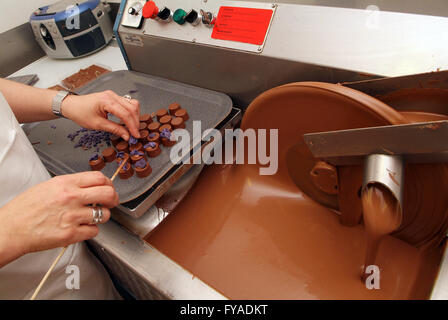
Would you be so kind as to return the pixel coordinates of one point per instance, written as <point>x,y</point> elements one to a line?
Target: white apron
<point>20,169</point>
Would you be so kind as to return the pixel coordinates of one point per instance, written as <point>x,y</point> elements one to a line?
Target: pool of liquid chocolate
<point>260,237</point>
<point>382,215</point>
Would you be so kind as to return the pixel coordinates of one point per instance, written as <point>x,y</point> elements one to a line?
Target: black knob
<point>164,14</point>
<point>192,17</point>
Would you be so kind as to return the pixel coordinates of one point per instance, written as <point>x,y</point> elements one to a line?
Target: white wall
<point>16,12</point>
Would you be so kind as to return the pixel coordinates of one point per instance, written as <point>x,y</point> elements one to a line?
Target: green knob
<point>179,16</point>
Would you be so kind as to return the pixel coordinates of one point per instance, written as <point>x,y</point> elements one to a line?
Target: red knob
<point>150,10</point>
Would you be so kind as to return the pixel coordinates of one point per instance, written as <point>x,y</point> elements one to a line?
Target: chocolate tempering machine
<point>264,64</point>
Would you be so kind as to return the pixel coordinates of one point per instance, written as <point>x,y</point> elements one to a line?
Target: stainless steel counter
<point>144,271</point>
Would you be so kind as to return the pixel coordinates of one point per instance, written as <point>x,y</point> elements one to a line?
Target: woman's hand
<point>90,111</point>
<point>54,214</point>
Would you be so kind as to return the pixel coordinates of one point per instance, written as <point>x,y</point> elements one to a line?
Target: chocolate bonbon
<point>152,149</point>
<point>142,168</point>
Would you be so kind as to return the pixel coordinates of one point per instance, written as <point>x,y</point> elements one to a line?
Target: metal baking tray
<point>60,156</point>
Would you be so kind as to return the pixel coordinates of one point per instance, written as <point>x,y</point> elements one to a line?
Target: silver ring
<point>128,97</point>
<point>100,216</point>
<point>97,215</point>
<point>94,215</point>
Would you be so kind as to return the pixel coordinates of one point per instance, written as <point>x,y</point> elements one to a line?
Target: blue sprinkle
<point>165,134</point>
<point>150,145</point>
<point>140,164</point>
<point>136,153</point>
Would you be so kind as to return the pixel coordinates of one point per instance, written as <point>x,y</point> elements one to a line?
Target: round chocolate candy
<point>109,154</point>
<point>178,123</point>
<point>96,162</point>
<point>154,127</point>
<point>121,156</point>
<point>142,126</point>
<point>165,120</point>
<point>152,149</point>
<point>167,142</point>
<point>138,146</point>
<point>123,146</point>
<point>183,114</point>
<point>144,135</point>
<point>146,117</point>
<point>142,168</point>
<point>165,135</point>
<point>154,137</point>
<point>173,108</point>
<point>136,155</point>
<point>165,127</point>
<point>161,113</point>
<point>126,172</point>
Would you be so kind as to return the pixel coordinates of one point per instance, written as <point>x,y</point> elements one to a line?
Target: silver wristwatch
<point>57,102</point>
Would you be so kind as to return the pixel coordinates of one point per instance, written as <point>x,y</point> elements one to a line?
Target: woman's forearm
<point>9,247</point>
<point>89,111</point>
<point>29,104</point>
<point>8,252</point>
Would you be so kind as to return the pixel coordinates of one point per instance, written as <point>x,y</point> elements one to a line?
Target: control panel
<point>232,24</point>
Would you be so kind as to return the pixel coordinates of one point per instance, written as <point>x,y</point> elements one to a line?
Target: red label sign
<point>246,25</point>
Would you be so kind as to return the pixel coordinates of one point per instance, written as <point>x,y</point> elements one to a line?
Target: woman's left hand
<point>91,111</point>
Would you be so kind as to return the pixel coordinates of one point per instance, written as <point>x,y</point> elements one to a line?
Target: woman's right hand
<point>54,214</point>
